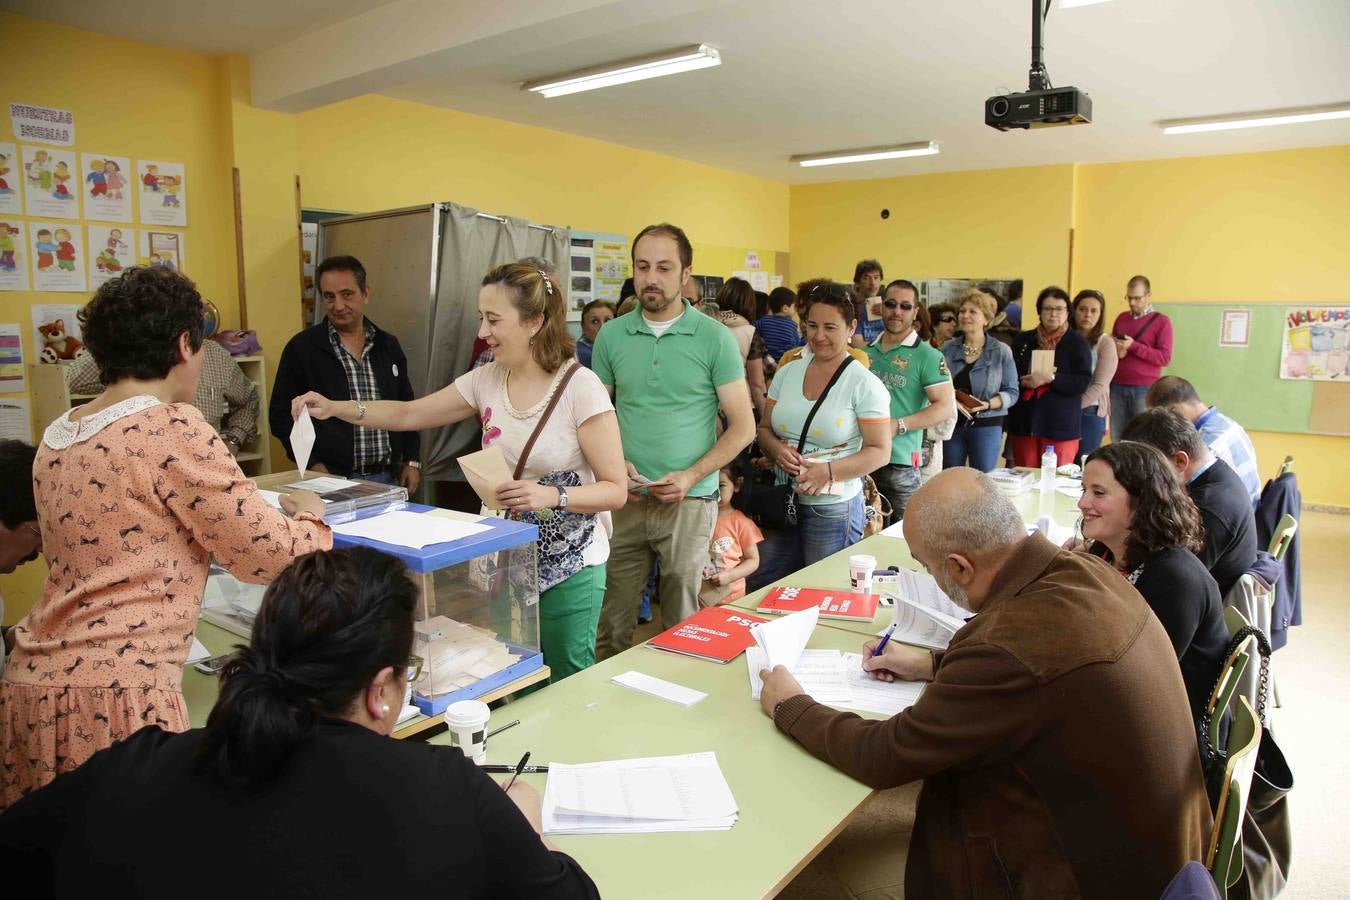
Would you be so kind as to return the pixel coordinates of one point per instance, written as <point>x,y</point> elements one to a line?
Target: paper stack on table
<point>819,672</point>
<point>783,640</point>
<point>631,796</point>
<point>409,529</point>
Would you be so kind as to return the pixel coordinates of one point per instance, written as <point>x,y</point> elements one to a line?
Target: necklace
<point>972,349</point>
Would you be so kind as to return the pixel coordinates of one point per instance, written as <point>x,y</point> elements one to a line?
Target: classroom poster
<point>56,331</point>
<point>107,182</point>
<point>580,270</point>
<point>309,248</point>
<point>16,420</point>
<point>598,267</point>
<point>163,190</point>
<point>51,191</point>
<point>111,249</point>
<point>12,379</point>
<point>13,256</point>
<point>11,180</point>
<point>161,248</point>
<point>58,258</point>
<point>42,124</point>
<point>1316,344</point>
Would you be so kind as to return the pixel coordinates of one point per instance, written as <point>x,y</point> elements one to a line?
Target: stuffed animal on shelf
<point>54,338</point>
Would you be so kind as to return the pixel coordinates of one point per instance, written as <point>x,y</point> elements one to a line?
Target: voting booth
<point>477,618</point>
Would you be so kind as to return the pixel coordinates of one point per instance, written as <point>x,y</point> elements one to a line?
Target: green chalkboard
<point>1244,382</point>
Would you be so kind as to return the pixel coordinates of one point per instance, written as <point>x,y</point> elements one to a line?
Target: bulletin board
<point>1244,382</point>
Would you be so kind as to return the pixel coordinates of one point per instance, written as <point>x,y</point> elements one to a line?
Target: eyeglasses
<point>892,304</point>
<point>947,320</point>
<point>1054,309</point>
<point>414,668</point>
<point>1138,299</point>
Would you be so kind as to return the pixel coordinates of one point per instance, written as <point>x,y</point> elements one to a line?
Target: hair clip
<point>548,283</point>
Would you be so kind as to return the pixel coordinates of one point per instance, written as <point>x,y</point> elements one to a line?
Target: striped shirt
<point>1229,442</point>
<point>370,446</point>
<point>780,334</point>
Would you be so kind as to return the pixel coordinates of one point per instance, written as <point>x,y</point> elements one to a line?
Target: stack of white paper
<point>871,695</point>
<point>409,529</point>
<point>630,796</point>
<point>819,672</point>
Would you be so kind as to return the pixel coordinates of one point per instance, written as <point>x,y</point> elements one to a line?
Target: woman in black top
<point>294,787</point>
<point>1049,410</point>
<point>1138,516</point>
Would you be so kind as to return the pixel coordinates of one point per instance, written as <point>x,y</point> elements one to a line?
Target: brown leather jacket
<point>1055,744</point>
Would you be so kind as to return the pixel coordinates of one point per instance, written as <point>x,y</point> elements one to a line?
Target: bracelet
<point>829,467</point>
<point>360,410</point>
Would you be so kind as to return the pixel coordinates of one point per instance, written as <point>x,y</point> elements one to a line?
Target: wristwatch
<point>360,410</point>
<point>549,512</point>
<point>562,499</point>
<point>413,464</point>
<point>901,427</point>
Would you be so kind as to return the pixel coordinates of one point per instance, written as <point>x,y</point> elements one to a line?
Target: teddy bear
<point>54,337</point>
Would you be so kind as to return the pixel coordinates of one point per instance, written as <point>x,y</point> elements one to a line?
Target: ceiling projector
<point>1042,106</point>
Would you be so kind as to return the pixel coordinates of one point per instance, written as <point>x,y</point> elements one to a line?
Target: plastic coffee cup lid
<point>466,713</point>
<point>862,560</point>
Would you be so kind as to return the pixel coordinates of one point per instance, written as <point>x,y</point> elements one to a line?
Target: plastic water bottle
<point>1048,466</point>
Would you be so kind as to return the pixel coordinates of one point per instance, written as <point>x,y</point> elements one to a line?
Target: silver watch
<point>562,498</point>
<point>901,427</point>
<point>360,410</point>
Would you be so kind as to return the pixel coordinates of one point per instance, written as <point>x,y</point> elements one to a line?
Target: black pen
<point>516,774</point>
<point>499,769</point>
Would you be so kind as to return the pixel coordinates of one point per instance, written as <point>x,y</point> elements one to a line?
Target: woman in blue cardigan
<point>985,379</point>
<point>1050,409</point>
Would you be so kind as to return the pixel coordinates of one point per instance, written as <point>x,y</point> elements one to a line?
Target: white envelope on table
<point>302,439</point>
<point>486,470</point>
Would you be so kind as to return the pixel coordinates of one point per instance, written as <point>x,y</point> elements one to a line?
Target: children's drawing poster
<point>11,181</point>
<point>12,380</point>
<point>107,184</point>
<point>163,249</point>
<point>598,267</point>
<point>56,331</point>
<point>50,185</point>
<point>163,190</point>
<point>1316,344</point>
<point>111,249</point>
<point>13,256</point>
<point>58,258</point>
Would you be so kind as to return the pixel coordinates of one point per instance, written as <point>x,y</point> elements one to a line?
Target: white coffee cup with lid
<point>467,721</point>
<point>860,569</point>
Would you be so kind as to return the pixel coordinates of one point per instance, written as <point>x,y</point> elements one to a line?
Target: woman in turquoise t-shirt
<point>849,437</point>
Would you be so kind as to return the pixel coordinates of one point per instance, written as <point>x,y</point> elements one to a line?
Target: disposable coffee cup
<point>860,569</point>
<point>467,721</point>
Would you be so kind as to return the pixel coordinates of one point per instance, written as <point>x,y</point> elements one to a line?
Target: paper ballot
<point>783,640</point>
<point>871,695</point>
<point>302,439</point>
<point>486,470</point>
<point>820,673</point>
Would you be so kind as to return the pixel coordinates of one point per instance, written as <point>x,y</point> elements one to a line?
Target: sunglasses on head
<point>947,320</point>
<point>903,304</point>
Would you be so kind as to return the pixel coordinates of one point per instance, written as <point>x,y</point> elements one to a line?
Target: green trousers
<point>568,615</point>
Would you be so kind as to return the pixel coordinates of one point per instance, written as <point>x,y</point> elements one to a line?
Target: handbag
<point>1267,834</point>
<point>876,508</point>
<point>775,506</point>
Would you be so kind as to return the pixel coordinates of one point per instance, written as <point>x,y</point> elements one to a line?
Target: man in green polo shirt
<point>921,391</point>
<point>669,368</point>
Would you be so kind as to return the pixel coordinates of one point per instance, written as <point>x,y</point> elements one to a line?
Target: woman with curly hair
<point>135,495</point>
<point>1138,516</point>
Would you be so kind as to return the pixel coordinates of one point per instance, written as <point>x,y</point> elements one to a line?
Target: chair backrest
<point>1283,536</point>
<point>1230,676</point>
<point>1234,619</point>
<point>1287,466</point>
<point>1224,858</point>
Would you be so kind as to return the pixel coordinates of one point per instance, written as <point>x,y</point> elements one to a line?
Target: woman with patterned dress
<point>573,474</point>
<point>135,494</point>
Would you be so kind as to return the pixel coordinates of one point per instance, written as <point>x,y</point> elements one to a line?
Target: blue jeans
<point>820,531</point>
<point>974,446</point>
<point>384,476</point>
<point>897,484</point>
<point>1127,401</point>
<point>1094,428</point>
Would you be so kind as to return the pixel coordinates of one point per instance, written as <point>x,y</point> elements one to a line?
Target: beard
<point>953,590</point>
<point>656,304</point>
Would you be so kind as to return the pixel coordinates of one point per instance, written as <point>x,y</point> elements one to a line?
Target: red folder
<point>833,604</point>
<point>718,634</point>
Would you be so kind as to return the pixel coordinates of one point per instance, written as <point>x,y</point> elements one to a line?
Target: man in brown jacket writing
<point>1054,739</point>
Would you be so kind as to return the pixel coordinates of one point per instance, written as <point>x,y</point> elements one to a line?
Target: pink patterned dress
<point>133,502</point>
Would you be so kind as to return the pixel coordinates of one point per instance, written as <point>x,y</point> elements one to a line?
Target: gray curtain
<point>470,246</point>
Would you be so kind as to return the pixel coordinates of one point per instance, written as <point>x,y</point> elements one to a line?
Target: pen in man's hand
<point>882,645</point>
<point>520,766</point>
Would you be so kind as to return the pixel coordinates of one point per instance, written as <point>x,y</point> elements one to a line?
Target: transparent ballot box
<point>344,499</point>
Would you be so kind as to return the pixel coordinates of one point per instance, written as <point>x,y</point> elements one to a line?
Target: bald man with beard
<point>1054,738</point>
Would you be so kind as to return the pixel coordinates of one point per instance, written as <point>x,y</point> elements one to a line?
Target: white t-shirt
<point>558,448</point>
<point>660,328</point>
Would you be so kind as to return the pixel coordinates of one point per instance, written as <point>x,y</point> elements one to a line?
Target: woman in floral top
<point>135,493</point>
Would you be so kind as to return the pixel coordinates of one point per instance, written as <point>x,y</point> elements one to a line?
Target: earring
<point>384,710</point>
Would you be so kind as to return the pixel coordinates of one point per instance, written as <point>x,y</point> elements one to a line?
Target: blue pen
<point>884,638</point>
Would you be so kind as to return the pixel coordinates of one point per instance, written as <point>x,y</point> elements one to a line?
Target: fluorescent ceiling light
<point>1256,120</point>
<point>1070,4</point>
<point>868,154</point>
<point>671,62</point>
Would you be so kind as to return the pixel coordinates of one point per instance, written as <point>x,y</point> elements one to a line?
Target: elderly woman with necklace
<point>1049,411</point>
<point>985,379</point>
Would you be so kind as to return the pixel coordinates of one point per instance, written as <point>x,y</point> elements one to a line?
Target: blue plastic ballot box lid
<point>502,534</point>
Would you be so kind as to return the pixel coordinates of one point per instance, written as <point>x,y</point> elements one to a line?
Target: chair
<point>1283,536</point>
<point>1287,466</point>
<point>1230,676</point>
<point>1224,857</point>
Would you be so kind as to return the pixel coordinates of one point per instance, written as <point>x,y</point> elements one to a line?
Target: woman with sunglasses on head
<point>1138,516</point>
<point>1089,317</point>
<point>1049,411</point>
<point>295,780</point>
<point>573,474</point>
<point>847,437</point>
<point>985,379</point>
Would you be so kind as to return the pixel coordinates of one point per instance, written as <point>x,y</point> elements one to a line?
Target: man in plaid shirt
<point>347,357</point>
<point>1225,438</point>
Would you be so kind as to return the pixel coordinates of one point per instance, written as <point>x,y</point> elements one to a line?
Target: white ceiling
<point>800,76</point>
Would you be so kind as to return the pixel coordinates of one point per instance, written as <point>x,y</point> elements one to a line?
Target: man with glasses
<point>346,357</point>
<point>20,536</point>
<point>920,386</point>
<point>1143,339</point>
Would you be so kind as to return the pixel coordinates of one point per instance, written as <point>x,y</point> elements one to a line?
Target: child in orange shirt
<point>734,550</point>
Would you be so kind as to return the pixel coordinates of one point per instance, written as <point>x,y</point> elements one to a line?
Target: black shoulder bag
<point>775,505</point>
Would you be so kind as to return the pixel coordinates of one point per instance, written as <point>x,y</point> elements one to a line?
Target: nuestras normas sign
<point>42,124</point>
